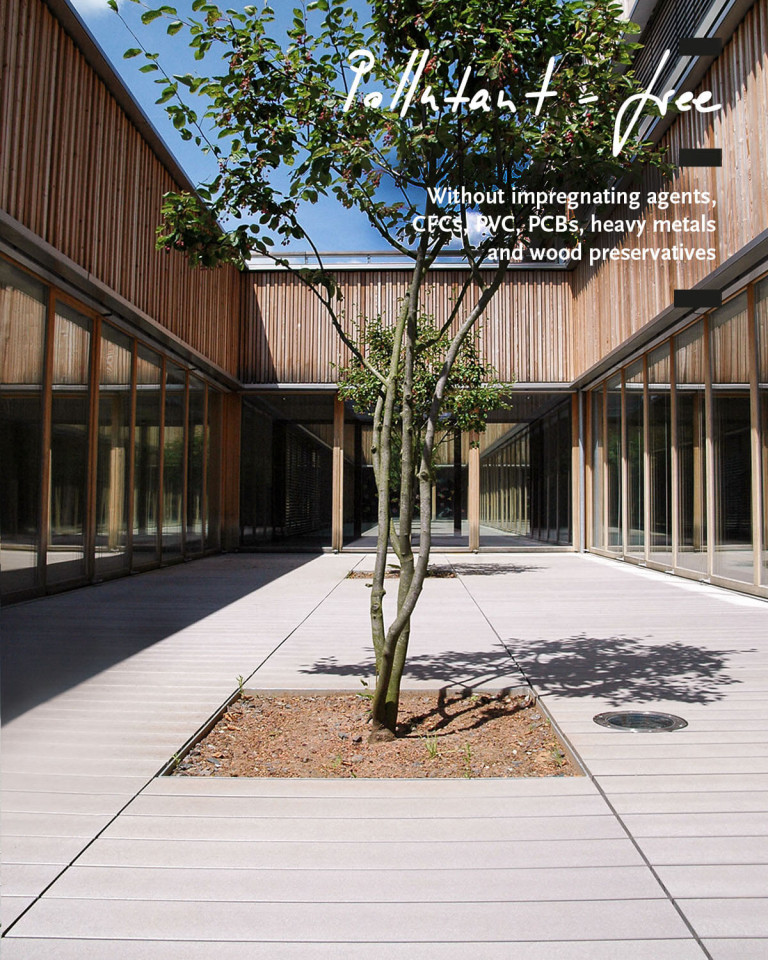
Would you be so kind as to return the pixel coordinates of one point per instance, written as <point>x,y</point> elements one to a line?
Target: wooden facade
<point>78,173</point>
<point>616,300</point>
<point>158,420</point>
<point>525,333</point>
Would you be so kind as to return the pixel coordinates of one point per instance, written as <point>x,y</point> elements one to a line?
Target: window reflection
<point>146,451</point>
<point>113,460</point>
<point>69,445</point>
<point>22,335</point>
<point>634,404</point>
<point>173,461</point>
<point>729,331</point>
<point>195,460</point>
<point>761,319</point>
<point>613,448</point>
<point>691,446</point>
<point>659,455</point>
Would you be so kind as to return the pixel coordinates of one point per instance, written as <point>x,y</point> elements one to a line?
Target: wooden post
<point>473,493</point>
<point>229,511</point>
<point>337,482</point>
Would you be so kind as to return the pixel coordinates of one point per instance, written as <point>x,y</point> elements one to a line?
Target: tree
<point>432,115</point>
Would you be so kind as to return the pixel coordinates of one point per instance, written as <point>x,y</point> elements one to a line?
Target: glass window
<point>213,471</point>
<point>731,434</point>
<point>691,458</point>
<point>659,455</point>
<point>634,405</point>
<point>761,318</point>
<point>146,452</point>
<point>113,458</point>
<point>614,536</point>
<point>69,445</point>
<point>174,460</point>
<point>22,335</point>
<point>195,462</point>
<point>598,468</point>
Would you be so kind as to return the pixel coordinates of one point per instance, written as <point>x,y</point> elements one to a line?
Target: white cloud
<point>90,7</point>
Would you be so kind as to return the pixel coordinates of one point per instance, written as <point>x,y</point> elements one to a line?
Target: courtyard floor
<point>659,851</point>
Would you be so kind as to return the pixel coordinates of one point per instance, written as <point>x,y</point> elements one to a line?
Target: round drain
<point>640,722</point>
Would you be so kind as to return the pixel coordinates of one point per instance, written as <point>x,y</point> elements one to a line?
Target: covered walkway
<point>660,851</point>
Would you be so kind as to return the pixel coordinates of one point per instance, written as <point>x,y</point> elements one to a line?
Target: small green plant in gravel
<point>431,744</point>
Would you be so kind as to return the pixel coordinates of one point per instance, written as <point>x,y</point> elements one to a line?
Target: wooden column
<point>473,493</point>
<point>231,414</point>
<point>337,483</point>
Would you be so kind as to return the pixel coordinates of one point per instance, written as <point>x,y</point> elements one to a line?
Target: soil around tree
<point>440,734</point>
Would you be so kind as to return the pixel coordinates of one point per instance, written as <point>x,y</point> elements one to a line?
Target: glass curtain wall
<point>690,396</point>
<point>68,445</point>
<point>174,461</point>
<point>731,439</point>
<point>146,446</point>
<point>689,425</point>
<point>84,432</point>
<point>113,454</point>
<point>613,461</point>
<point>761,320</point>
<point>659,455</point>
<point>599,467</point>
<point>23,305</point>
<point>286,478</point>
<point>525,479</point>
<point>195,460</point>
<point>634,406</point>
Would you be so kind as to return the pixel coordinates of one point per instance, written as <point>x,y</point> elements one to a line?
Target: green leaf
<point>133,52</point>
<point>149,15</point>
<point>148,68</point>
<point>173,28</point>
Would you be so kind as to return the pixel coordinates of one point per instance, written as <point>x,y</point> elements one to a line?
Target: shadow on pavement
<point>624,670</point>
<point>52,644</point>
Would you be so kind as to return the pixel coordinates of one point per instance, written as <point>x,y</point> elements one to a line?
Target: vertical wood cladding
<point>613,301</point>
<point>288,338</point>
<point>77,173</point>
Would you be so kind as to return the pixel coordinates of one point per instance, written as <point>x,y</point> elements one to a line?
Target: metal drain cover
<point>640,722</point>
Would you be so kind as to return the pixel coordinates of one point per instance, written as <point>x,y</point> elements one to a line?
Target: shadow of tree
<point>623,669</point>
<point>618,669</point>
<point>466,669</point>
<point>492,569</point>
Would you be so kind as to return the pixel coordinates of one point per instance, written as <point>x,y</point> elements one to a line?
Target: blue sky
<point>331,227</point>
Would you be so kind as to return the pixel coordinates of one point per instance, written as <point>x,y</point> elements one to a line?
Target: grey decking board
<point>575,592</point>
<point>354,886</point>
<point>281,855</point>
<point>367,831</point>
<point>79,949</point>
<point>403,922</point>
